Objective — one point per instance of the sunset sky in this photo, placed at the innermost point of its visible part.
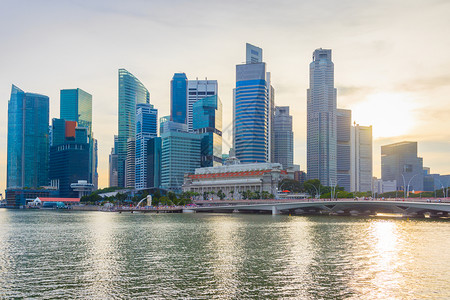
(392, 60)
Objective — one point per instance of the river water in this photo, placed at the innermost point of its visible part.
(100, 255)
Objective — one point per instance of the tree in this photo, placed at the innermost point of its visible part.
(221, 194)
(290, 185)
(313, 186)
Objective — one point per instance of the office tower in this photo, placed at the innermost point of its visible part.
(321, 119)
(69, 156)
(283, 137)
(178, 98)
(146, 129)
(271, 133)
(251, 136)
(76, 105)
(113, 178)
(361, 158)
(400, 162)
(343, 133)
(207, 122)
(180, 155)
(154, 163)
(198, 89)
(130, 163)
(131, 92)
(28, 144)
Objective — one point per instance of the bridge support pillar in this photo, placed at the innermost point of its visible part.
(275, 210)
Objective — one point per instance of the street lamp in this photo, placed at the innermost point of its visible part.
(317, 192)
(406, 193)
(334, 188)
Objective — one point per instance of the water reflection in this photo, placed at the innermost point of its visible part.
(101, 256)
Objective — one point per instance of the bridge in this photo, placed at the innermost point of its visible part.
(407, 208)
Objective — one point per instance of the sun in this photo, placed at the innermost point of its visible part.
(390, 114)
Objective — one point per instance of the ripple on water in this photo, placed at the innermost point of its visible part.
(95, 255)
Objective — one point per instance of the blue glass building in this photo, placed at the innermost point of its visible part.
(131, 92)
(76, 105)
(252, 109)
(146, 129)
(178, 98)
(154, 163)
(28, 142)
(207, 121)
(69, 156)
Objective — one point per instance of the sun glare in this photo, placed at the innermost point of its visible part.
(390, 114)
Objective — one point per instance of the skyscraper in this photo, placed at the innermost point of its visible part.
(28, 140)
(178, 98)
(252, 109)
(76, 105)
(180, 155)
(69, 156)
(113, 179)
(154, 162)
(361, 158)
(131, 92)
(198, 89)
(343, 129)
(283, 137)
(130, 163)
(207, 119)
(400, 162)
(321, 119)
(146, 129)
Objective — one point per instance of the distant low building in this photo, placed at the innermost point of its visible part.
(380, 186)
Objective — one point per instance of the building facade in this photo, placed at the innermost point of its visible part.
(197, 90)
(283, 147)
(130, 164)
(400, 162)
(251, 105)
(361, 158)
(146, 129)
(343, 148)
(180, 154)
(69, 156)
(28, 140)
(178, 98)
(321, 119)
(207, 122)
(113, 165)
(131, 92)
(76, 105)
(154, 149)
(234, 180)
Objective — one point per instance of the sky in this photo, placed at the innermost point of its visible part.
(392, 60)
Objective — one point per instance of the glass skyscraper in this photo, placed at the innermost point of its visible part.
(131, 92)
(283, 137)
(28, 140)
(69, 156)
(178, 98)
(207, 121)
(76, 105)
(343, 150)
(146, 128)
(252, 109)
(180, 155)
(321, 119)
(198, 89)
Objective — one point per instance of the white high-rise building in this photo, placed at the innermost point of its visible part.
(321, 120)
(198, 89)
(361, 158)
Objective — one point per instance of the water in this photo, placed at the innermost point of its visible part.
(98, 255)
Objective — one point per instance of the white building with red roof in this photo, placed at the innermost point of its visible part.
(235, 179)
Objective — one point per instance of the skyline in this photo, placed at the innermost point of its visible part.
(374, 62)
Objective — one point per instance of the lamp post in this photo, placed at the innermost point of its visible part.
(407, 187)
(333, 191)
(317, 192)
